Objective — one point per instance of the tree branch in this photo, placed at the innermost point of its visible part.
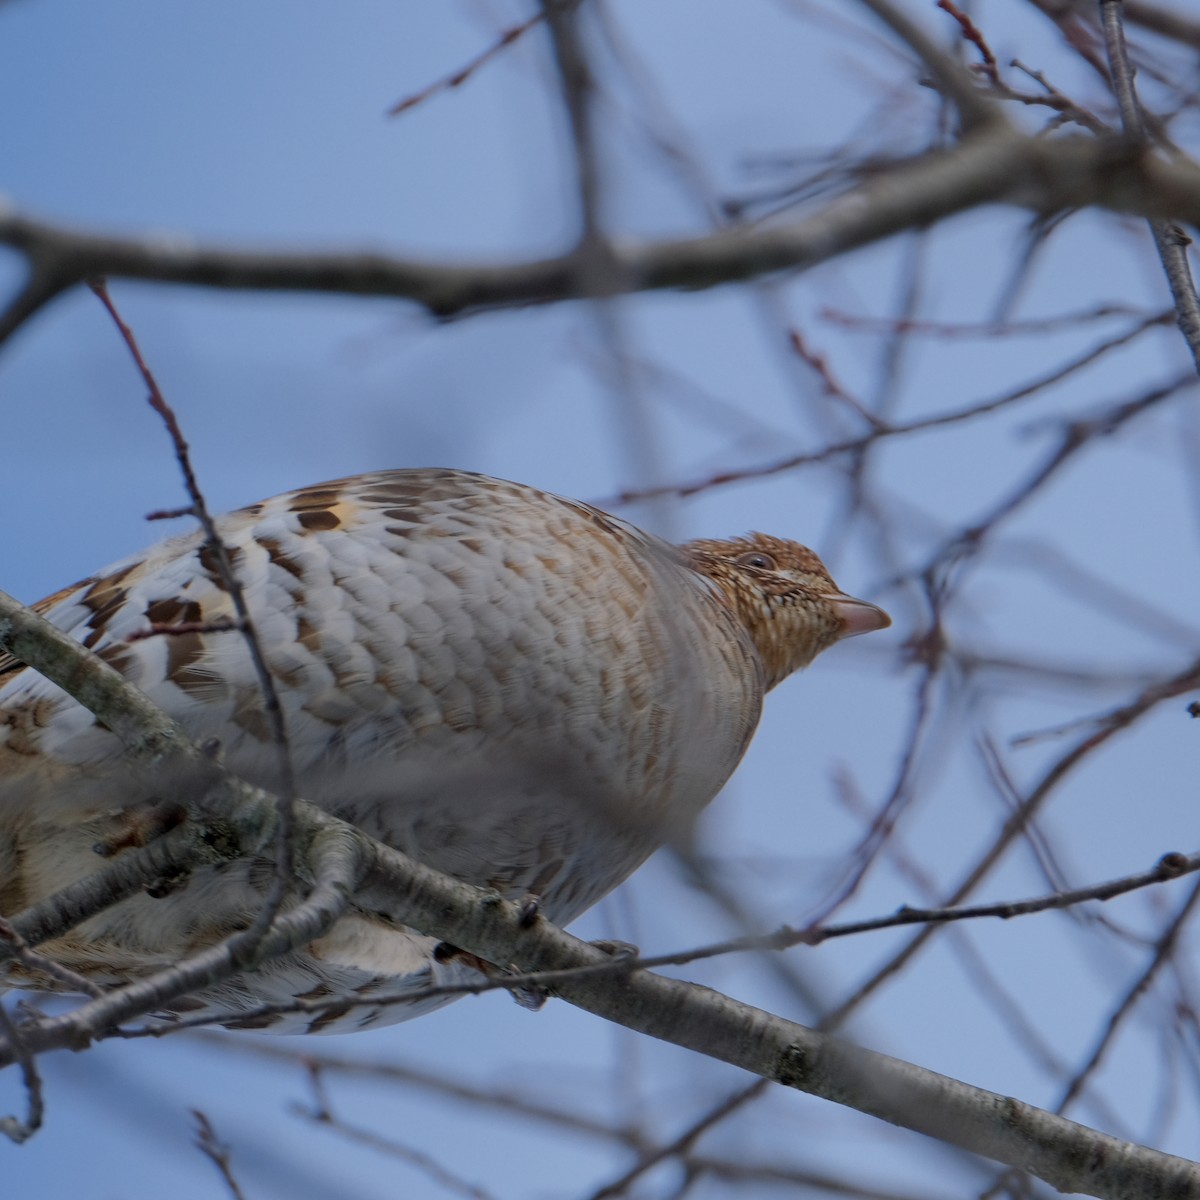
(334, 858)
(1170, 241)
(1001, 166)
(975, 110)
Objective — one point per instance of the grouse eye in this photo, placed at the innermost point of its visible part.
(756, 558)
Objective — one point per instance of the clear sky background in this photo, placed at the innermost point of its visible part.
(264, 125)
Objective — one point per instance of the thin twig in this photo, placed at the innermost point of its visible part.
(1075, 436)
(457, 78)
(1169, 238)
(681, 1145)
(336, 858)
(1113, 723)
(972, 33)
(284, 877)
(1171, 866)
(29, 958)
(217, 1152)
(1164, 947)
(820, 365)
(870, 845)
(502, 1101)
(1057, 100)
(322, 1114)
(1036, 327)
(21, 1129)
(509, 1103)
(975, 110)
(918, 425)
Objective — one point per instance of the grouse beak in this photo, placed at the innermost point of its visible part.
(858, 616)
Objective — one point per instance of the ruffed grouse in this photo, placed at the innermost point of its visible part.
(516, 688)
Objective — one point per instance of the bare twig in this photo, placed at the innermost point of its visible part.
(503, 1101)
(509, 1103)
(1163, 949)
(681, 1145)
(459, 77)
(1076, 435)
(820, 365)
(1114, 722)
(1165, 21)
(31, 960)
(919, 425)
(335, 854)
(972, 33)
(322, 1114)
(1051, 97)
(1171, 866)
(1037, 327)
(864, 855)
(21, 1129)
(284, 850)
(975, 111)
(217, 1152)
(1170, 240)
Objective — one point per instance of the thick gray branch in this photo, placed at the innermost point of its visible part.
(1070, 1156)
(997, 166)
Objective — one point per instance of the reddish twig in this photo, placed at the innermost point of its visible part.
(972, 34)
(284, 870)
(459, 77)
(217, 1152)
(820, 364)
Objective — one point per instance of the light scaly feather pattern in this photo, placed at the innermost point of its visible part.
(515, 688)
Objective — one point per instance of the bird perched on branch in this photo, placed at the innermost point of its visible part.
(515, 688)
